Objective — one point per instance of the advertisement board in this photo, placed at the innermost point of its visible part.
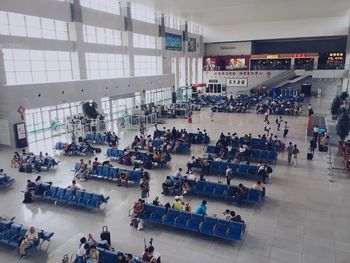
(173, 42)
(191, 45)
(241, 82)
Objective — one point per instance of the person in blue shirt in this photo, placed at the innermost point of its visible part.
(202, 208)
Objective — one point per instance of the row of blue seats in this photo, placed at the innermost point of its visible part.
(195, 222)
(254, 155)
(12, 234)
(6, 181)
(222, 191)
(198, 138)
(255, 143)
(195, 138)
(140, 156)
(71, 197)
(109, 256)
(96, 138)
(45, 166)
(184, 147)
(112, 173)
(78, 149)
(219, 167)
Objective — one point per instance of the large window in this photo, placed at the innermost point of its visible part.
(143, 12)
(144, 41)
(109, 6)
(174, 22)
(161, 96)
(195, 28)
(147, 65)
(28, 66)
(31, 26)
(99, 35)
(101, 66)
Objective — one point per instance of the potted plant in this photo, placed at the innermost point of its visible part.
(90, 109)
(335, 108)
(343, 126)
(344, 95)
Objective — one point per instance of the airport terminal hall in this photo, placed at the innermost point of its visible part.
(163, 131)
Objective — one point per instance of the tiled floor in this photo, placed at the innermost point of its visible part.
(305, 218)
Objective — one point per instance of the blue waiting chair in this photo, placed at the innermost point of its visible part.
(169, 218)
(194, 222)
(181, 220)
(158, 214)
(207, 227)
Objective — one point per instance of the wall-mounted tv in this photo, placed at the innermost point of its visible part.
(173, 42)
(191, 45)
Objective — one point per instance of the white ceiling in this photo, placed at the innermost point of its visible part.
(231, 12)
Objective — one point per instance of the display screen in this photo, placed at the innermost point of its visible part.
(191, 45)
(209, 63)
(173, 42)
(236, 63)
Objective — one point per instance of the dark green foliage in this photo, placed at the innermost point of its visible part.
(344, 95)
(343, 126)
(335, 108)
(90, 109)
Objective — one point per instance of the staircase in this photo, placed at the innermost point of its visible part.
(284, 76)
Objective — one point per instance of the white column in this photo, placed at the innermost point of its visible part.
(346, 80)
(2, 68)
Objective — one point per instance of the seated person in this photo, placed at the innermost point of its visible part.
(259, 186)
(137, 209)
(74, 186)
(168, 185)
(15, 160)
(29, 238)
(178, 203)
(240, 194)
(149, 255)
(98, 243)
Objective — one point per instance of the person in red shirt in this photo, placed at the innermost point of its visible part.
(96, 162)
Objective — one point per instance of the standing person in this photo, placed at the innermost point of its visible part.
(144, 189)
(266, 115)
(311, 111)
(315, 132)
(313, 145)
(290, 152)
(286, 129)
(142, 129)
(295, 153)
(229, 175)
(211, 114)
(279, 122)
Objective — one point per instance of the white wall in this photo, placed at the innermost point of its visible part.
(315, 27)
(253, 80)
(228, 49)
(14, 96)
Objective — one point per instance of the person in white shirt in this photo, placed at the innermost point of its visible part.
(178, 173)
(229, 175)
(316, 131)
(29, 238)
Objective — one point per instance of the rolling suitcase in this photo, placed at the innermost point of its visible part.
(29, 168)
(310, 156)
(106, 235)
